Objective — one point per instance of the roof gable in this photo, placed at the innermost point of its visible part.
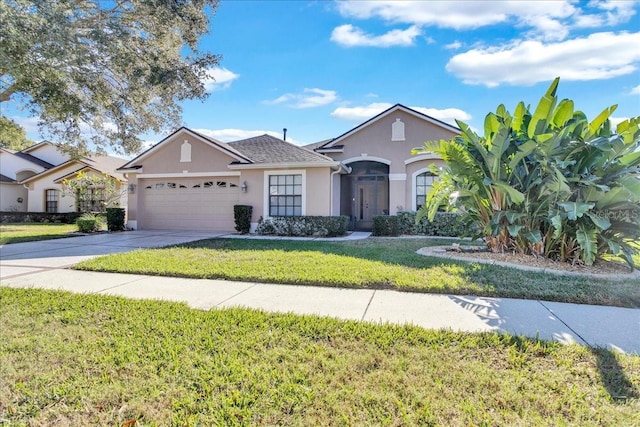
(398, 107)
(213, 143)
(101, 164)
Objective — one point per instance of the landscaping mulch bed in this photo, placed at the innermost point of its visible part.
(599, 267)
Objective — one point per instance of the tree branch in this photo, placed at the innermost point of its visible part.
(6, 94)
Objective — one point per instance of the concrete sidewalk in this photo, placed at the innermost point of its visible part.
(42, 265)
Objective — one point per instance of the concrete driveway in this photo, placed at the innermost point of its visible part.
(30, 257)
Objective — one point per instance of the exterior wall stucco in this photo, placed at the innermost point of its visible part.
(375, 140)
(50, 153)
(204, 157)
(37, 191)
(9, 195)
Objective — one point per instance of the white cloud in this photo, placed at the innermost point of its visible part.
(365, 112)
(360, 113)
(219, 78)
(453, 46)
(228, 135)
(542, 20)
(462, 15)
(612, 13)
(309, 98)
(350, 36)
(598, 56)
(635, 90)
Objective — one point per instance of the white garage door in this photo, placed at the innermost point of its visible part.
(189, 204)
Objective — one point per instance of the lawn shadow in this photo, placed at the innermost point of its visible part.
(613, 376)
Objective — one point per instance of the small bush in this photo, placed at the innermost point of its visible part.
(115, 219)
(319, 226)
(89, 223)
(385, 225)
(242, 216)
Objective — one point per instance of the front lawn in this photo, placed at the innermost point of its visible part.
(69, 359)
(371, 263)
(27, 232)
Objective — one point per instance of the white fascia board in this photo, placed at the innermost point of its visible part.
(284, 165)
(427, 156)
(187, 175)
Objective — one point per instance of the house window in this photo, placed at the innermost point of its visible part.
(285, 195)
(51, 199)
(424, 181)
(91, 200)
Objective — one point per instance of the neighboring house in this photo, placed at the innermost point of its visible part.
(189, 181)
(31, 180)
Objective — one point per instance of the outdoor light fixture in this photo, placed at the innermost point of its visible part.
(244, 187)
(132, 188)
(20, 200)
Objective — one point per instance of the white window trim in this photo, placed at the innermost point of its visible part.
(414, 189)
(266, 195)
(58, 196)
(367, 159)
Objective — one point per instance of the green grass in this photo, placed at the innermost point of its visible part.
(371, 263)
(28, 232)
(70, 359)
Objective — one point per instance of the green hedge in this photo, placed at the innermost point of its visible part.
(242, 216)
(404, 222)
(319, 226)
(385, 225)
(115, 219)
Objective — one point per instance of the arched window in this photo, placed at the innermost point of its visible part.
(424, 181)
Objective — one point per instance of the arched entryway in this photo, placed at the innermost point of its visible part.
(365, 193)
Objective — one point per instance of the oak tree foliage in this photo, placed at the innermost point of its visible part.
(12, 135)
(103, 71)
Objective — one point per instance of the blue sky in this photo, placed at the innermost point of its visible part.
(320, 68)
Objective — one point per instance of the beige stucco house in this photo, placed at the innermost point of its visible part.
(31, 180)
(190, 181)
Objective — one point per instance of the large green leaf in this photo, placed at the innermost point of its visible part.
(533, 236)
(600, 220)
(556, 221)
(563, 113)
(587, 238)
(575, 210)
(514, 229)
(543, 112)
(596, 123)
(516, 196)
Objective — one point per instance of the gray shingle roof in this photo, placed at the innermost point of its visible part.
(4, 178)
(269, 149)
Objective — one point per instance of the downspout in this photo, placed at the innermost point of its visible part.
(341, 167)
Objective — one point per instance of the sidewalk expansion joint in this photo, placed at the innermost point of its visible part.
(235, 295)
(367, 307)
(119, 285)
(587, 343)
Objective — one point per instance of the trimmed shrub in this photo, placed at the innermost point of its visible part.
(242, 217)
(318, 226)
(115, 219)
(385, 225)
(89, 223)
(449, 224)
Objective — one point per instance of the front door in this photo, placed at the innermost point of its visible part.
(366, 203)
(364, 193)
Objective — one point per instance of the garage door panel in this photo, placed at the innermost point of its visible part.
(188, 204)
